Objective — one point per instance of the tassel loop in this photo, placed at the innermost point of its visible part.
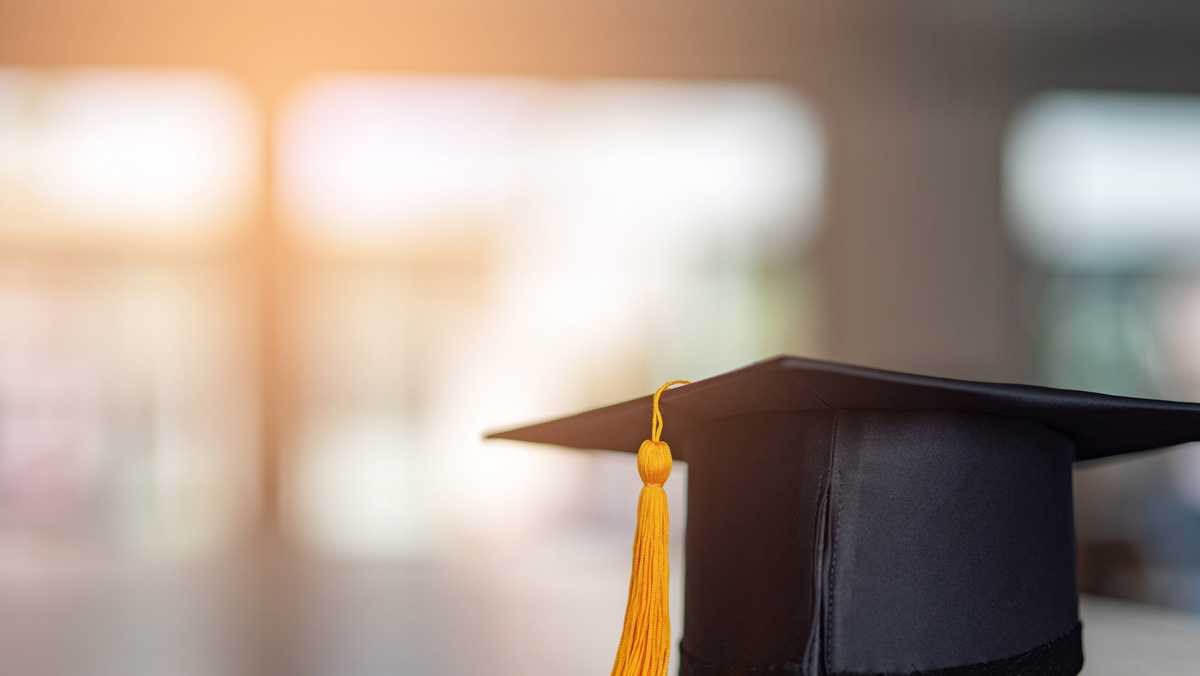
(656, 419)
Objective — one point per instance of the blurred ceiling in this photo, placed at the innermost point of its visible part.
(277, 41)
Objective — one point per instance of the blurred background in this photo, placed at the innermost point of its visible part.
(267, 272)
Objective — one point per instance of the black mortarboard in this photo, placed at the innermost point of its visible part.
(846, 520)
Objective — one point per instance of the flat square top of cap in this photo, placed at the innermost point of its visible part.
(1101, 425)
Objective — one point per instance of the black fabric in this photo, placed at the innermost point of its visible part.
(1098, 424)
(952, 540)
(750, 537)
(945, 539)
(1062, 656)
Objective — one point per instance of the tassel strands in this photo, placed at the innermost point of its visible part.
(645, 647)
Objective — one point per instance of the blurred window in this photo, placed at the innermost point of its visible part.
(126, 397)
(104, 152)
(386, 157)
(497, 249)
(1101, 188)
(1107, 178)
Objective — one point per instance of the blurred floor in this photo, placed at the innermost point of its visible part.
(1123, 638)
(553, 610)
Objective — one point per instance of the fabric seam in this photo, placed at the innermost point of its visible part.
(835, 520)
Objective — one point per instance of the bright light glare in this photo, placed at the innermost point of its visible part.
(361, 155)
(383, 156)
(741, 163)
(1105, 177)
(127, 150)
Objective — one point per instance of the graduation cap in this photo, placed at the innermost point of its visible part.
(845, 520)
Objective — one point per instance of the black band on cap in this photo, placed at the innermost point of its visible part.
(1061, 657)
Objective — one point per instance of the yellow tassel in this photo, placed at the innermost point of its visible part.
(645, 645)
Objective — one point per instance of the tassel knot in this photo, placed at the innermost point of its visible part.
(654, 462)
